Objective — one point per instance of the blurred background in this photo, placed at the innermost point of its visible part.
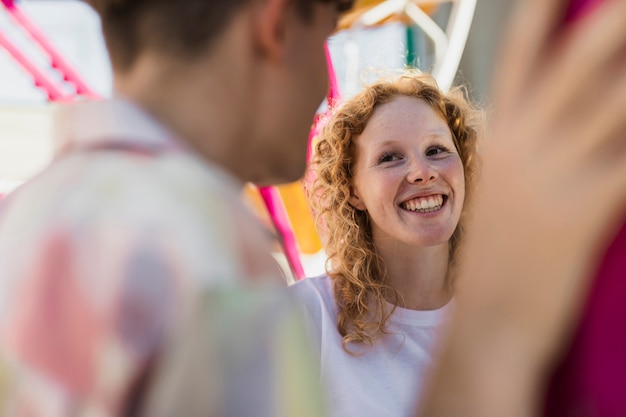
(376, 36)
(26, 144)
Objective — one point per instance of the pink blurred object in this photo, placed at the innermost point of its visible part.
(41, 79)
(579, 8)
(280, 219)
(271, 197)
(333, 93)
(332, 99)
(590, 380)
(52, 88)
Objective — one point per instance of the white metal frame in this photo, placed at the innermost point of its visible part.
(449, 42)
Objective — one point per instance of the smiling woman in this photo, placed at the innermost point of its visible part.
(394, 169)
(408, 176)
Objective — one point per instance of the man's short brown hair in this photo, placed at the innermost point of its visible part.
(185, 27)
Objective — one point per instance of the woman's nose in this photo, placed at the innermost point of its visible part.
(421, 172)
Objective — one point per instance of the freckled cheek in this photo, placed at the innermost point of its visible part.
(456, 177)
(379, 188)
(452, 170)
(386, 183)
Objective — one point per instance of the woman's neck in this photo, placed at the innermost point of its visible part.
(419, 275)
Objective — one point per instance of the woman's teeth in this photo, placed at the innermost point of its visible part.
(424, 204)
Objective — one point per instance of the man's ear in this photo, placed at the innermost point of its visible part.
(271, 19)
(355, 200)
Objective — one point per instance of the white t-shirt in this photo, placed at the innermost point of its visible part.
(385, 379)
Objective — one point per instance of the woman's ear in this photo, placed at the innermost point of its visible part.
(355, 200)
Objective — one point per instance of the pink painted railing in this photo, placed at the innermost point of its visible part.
(57, 61)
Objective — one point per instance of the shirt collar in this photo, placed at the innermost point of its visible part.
(93, 123)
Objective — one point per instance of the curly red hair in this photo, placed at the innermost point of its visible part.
(356, 270)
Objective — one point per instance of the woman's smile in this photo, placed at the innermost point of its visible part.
(427, 204)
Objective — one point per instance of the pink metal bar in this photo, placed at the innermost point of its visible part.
(279, 217)
(271, 197)
(53, 90)
(56, 59)
(333, 94)
(333, 99)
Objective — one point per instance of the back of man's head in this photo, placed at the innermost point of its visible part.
(181, 27)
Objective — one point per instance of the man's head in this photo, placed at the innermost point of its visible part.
(184, 27)
(240, 80)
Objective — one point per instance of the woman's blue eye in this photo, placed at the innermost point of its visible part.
(435, 150)
(388, 157)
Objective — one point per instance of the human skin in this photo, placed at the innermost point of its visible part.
(248, 102)
(552, 193)
(406, 152)
(406, 156)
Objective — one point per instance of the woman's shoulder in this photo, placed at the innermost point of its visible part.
(320, 286)
(314, 294)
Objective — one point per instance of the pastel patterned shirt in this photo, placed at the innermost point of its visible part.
(133, 281)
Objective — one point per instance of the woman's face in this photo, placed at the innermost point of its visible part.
(408, 175)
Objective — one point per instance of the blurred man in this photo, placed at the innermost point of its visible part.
(132, 280)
